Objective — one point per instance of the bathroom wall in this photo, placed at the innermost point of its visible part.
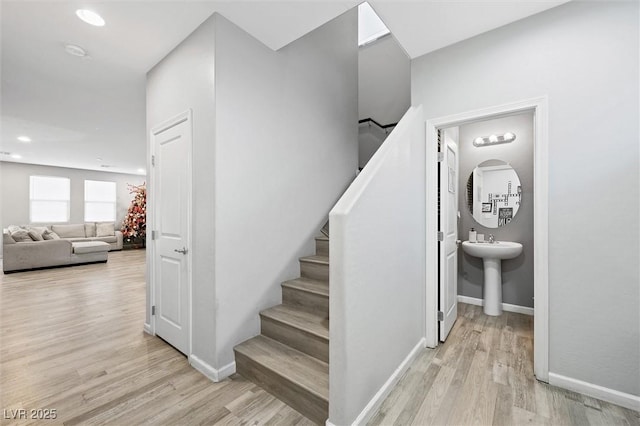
(517, 274)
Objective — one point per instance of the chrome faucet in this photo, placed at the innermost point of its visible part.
(492, 239)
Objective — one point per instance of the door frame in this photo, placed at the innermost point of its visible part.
(540, 109)
(151, 216)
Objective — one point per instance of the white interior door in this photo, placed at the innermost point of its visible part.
(448, 252)
(172, 153)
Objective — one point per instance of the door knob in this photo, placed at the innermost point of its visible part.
(458, 242)
(183, 250)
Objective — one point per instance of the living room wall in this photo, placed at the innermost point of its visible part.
(14, 187)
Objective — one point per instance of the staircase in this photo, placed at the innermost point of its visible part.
(290, 358)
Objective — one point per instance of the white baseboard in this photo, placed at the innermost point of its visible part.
(372, 407)
(622, 399)
(211, 373)
(147, 329)
(505, 306)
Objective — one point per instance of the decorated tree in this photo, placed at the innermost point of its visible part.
(135, 222)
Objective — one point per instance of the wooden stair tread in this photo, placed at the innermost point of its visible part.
(322, 238)
(293, 365)
(311, 323)
(320, 288)
(322, 260)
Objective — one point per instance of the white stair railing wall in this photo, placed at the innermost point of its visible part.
(377, 257)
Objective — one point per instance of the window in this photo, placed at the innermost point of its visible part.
(99, 201)
(49, 199)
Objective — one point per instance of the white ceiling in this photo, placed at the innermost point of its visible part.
(78, 110)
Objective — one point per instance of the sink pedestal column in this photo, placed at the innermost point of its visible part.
(492, 288)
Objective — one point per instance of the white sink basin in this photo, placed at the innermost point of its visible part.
(497, 250)
(492, 255)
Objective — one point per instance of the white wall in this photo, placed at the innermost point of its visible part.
(14, 184)
(285, 151)
(184, 80)
(384, 91)
(377, 273)
(517, 274)
(584, 56)
(384, 81)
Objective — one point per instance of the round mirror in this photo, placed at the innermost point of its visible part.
(493, 193)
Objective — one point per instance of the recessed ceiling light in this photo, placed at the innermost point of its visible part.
(90, 17)
(16, 156)
(74, 50)
(25, 139)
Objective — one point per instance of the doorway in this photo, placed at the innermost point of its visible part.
(538, 107)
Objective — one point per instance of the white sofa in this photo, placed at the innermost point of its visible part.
(31, 247)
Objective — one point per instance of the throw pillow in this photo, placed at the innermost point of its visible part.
(90, 229)
(105, 229)
(35, 235)
(37, 229)
(50, 235)
(7, 239)
(13, 228)
(21, 235)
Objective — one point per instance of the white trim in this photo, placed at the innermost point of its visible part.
(374, 404)
(622, 399)
(147, 329)
(539, 106)
(211, 373)
(431, 249)
(505, 306)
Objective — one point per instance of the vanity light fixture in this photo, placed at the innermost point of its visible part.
(25, 139)
(494, 139)
(90, 17)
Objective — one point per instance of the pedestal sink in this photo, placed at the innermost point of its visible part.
(492, 255)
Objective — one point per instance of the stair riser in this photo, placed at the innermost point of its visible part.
(310, 344)
(322, 247)
(310, 302)
(314, 271)
(310, 405)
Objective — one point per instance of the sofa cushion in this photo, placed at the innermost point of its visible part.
(7, 239)
(90, 247)
(105, 229)
(50, 235)
(35, 235)
(21, 235)
(90, 229)
(111, 239)
(69, 231)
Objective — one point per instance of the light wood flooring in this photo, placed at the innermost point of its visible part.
(483, 375)
(71, 340)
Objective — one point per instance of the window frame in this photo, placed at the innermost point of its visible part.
(114, 202)
(41, 200)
